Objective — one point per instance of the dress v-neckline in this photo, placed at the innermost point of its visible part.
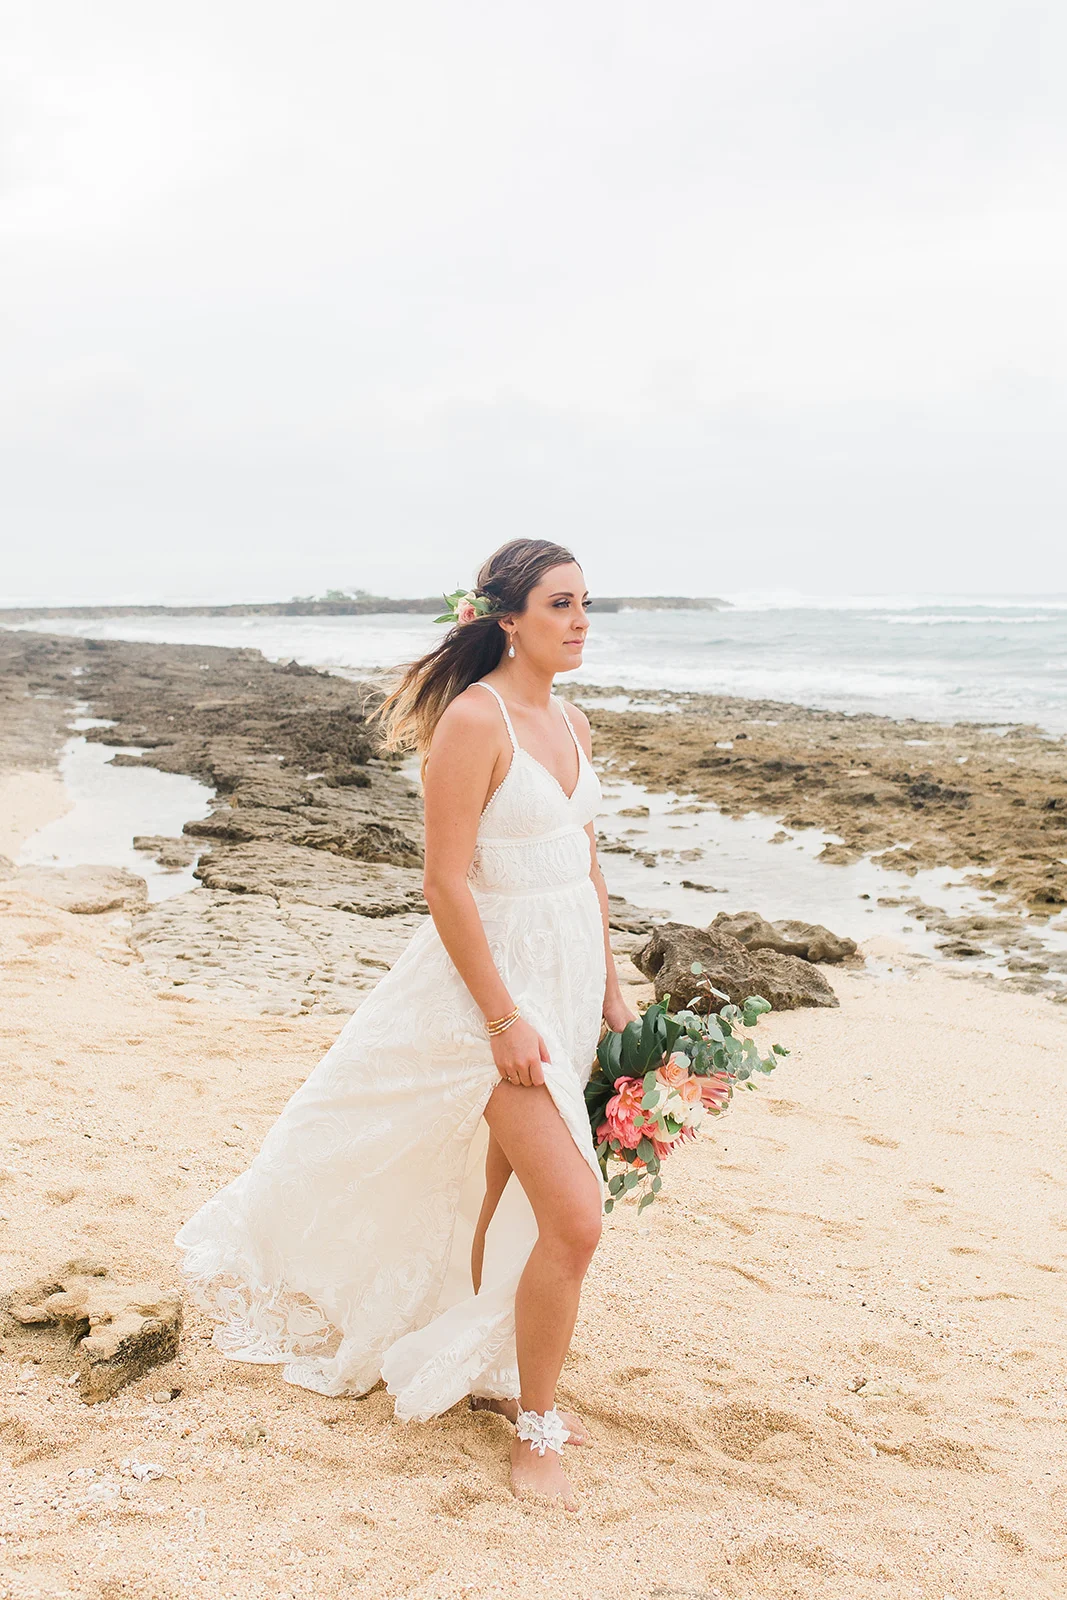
(568, 797)
(520, 750)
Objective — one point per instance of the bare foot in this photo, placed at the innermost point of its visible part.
(535, 1476)
(579, 1433)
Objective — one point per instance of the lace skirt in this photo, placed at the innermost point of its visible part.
(343, 1252)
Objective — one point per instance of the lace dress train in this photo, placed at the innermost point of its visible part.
(343, 1252)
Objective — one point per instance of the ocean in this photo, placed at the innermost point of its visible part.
(938, 658)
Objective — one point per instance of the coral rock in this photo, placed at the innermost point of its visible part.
(808, 940)
(786, 981)
(120, 1330)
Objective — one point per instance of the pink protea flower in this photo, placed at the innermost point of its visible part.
(715, 1090)
(626, 1101)
(623, 1134)
(624, 1120)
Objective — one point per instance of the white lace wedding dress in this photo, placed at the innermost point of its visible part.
(344, 1250)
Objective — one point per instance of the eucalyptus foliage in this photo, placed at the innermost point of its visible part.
(719, 1043)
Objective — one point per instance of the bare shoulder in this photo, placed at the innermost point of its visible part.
(466, 720)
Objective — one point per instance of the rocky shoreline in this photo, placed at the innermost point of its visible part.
(987, 800)
(310, 863)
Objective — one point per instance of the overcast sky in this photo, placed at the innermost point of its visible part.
(758, 294)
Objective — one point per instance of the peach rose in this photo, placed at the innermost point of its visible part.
(673, 1072)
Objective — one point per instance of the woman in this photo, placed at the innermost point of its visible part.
(426, 1205)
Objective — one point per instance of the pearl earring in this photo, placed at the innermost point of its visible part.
(511, 649)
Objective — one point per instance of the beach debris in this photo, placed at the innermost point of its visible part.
(141, 1471)
(103, 1492)
(808, 940)
(667, 957)
(87, 890)
(119, 1331)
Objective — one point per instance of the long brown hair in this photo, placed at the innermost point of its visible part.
(469, 650)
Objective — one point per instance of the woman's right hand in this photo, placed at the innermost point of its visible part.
(519, 1052)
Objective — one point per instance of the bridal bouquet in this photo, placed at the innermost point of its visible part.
(656, 1081)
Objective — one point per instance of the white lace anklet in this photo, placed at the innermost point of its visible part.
(543, 1430)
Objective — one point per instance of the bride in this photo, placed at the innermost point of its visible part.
(425, 1207)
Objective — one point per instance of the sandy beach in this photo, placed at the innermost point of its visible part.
(828, 1362)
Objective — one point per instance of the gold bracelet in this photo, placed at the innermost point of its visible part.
(502, 1022)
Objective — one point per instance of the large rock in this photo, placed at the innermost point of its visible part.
(119, 1330)
(808, 940)
(786, 981)
(85, 889)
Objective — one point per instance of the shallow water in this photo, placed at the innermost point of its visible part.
(112, 804)
(736, 858)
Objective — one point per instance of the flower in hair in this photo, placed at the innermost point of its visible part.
(464, 606)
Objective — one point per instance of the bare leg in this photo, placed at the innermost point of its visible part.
(497, 1173)
(565, 1198)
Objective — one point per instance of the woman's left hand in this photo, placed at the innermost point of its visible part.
(617, 1013)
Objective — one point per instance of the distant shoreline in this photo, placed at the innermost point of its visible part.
(357, 606)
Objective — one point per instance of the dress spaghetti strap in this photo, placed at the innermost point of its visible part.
(570, 724)
(504, 709)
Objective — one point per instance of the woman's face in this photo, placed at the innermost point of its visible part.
(552, 629)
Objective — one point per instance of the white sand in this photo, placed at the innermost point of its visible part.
(888, 1206)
